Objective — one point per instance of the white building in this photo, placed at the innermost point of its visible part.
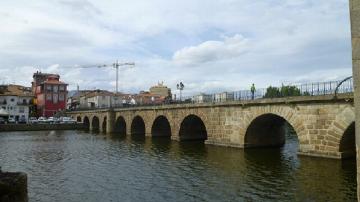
(223, 97)
(16, 100)
(202, 98)
(101, 99)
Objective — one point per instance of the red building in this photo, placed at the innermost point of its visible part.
(50, 93)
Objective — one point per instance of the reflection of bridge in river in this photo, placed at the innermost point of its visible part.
(324, 125)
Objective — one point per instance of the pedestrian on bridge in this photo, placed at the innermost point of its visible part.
(252, 89)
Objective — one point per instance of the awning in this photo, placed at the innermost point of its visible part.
(3, 112)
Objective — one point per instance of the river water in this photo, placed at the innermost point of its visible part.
(80, 166)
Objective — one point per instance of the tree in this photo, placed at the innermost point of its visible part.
(287, 91)
(284, 91)
(272, 92)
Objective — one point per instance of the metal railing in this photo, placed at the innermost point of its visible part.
(308, 89)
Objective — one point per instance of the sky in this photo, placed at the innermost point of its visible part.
(209, 45)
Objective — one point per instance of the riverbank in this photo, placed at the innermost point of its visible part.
(39, 127)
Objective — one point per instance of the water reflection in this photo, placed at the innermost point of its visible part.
(78, 166)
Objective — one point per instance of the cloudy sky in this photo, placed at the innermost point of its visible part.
(209, 45)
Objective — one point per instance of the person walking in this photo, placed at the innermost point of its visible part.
(252, 89)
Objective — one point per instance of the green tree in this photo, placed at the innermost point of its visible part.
(283, 91)
(272, 92)
(287, 91)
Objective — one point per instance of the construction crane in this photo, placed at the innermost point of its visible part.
(115, 65)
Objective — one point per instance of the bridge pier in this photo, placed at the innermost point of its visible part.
(110, 124)
(355, 36)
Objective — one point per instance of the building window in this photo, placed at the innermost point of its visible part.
(62, 88)
(55, 98)
(48, 97)
(48, 88)
(24, 101)
(61, 97)
(21, 110)
(12, 100)
(55, 88)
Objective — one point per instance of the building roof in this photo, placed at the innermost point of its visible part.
(15, 90)
(78, 93)
(54, 82)
(45, 74)
(97, 93)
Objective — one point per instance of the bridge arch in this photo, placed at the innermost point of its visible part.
(347, 146)
(103, 125)
(267, 130)
(95, 124)
(78, 119)
(86, 123)
(340, 137)
(138, 126)
(192, 128)
(161, 127)
(120, 126)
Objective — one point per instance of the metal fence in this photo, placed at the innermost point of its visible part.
(308, 89)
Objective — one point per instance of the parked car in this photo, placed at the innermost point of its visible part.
(42, 119)
(2, 120)
(11, 120)
(67, 120)
(22, 119)
(56, 120)
(33, 120)
(50, 120)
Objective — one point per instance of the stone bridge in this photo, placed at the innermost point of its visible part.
(324, 126)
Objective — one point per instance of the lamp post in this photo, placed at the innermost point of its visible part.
(180, 86)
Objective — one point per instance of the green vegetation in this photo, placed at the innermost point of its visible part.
(283, 91)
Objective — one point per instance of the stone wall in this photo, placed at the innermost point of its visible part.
(355, 36)
(320, 124)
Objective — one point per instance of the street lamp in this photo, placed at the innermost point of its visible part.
(180, 86)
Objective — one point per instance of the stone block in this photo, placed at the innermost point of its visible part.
(356, 74)
(355, 22)
(313, 132)
(333, 144)
(339, 125)
(355, 4)
(356, 48)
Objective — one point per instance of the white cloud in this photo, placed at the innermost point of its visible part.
(209, 51)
